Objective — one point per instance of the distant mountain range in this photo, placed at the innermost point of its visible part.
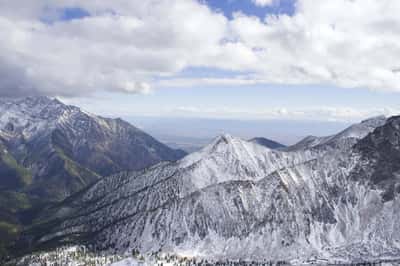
(49, 150)
(334, 198)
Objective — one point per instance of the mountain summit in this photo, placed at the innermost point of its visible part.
(49, 151)
(236, 199)
(66, 148)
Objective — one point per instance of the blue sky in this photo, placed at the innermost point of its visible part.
(228, 7)
(73, 13)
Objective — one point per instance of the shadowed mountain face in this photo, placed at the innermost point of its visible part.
(380, 152)
(49, 150)
(66, 149)
(236, 199)
(267, 143)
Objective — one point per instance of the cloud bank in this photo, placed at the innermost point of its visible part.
(318, 113)
(135, 46)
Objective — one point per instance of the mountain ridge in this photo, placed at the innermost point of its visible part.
(35, 126)
(50, 150)
(233, 197)
(351, 134)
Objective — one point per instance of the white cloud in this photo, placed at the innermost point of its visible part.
(127, 46)
(340, 42)
(122, 50)
(201, 82)
(101, 106)
(263, 2)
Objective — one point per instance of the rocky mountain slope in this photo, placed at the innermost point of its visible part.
(236, 199)
(66, 148)
(49, 150)
(342, 140)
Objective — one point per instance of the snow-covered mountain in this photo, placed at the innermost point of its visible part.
(341, 140)
(236, 199)
(66, 148)
(49, 150)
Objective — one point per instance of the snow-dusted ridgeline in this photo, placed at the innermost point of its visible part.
(236, 199)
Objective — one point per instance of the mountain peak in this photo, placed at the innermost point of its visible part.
(235, 191)
(360, 130)
(33, 105)
(224, 145)
(42, 125)
(37, 100)
(225, 142)
(223, 139)
(381, 119)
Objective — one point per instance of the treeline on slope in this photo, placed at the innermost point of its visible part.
(81, 255)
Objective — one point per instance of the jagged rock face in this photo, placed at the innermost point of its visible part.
(237, 199)
(67, 149)
(380, 155)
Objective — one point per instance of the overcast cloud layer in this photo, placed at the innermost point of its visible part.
(134, 46)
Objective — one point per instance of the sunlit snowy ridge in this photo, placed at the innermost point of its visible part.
(322, 199)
